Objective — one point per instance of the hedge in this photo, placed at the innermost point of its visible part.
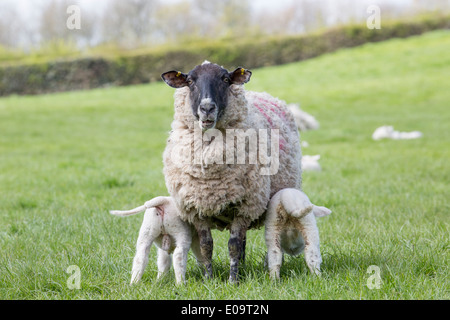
(88, 73)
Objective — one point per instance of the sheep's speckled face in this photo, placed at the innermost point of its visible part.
(208, 84)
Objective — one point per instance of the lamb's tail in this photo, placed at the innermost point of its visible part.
(155, 202)
(321, 211)
(295, 203)
(298, 205)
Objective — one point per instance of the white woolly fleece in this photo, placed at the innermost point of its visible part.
(228, 190)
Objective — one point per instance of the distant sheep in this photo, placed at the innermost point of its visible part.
(303, 120)
(290, 227)
(215, 193)
(162, 226)
(388, 132)
(311, 163)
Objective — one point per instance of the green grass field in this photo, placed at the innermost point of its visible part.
(66, 159)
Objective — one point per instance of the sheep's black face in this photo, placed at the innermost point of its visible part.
(208, 84)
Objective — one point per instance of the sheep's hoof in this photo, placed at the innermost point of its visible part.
(316, 272)
(275, 275)
(180, 283)
(234, 277)
(207, 276)
(275, 279)
(233, 280)
(207, 273)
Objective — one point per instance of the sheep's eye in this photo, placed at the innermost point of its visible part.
(226, 80)
(189, 81)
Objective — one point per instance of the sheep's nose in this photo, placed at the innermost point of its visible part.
(208, 108)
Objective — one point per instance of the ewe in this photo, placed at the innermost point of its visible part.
(207, 173)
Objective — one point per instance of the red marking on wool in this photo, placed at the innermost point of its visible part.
(277, 111)
(282, 143)
(257, 105)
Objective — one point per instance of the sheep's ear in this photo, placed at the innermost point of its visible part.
(175, 79)
(240, 76)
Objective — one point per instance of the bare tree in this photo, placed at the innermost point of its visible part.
(129, 23)
(297, 17)
(176, 22)
(132, 23)
(236, 16)
(431, 5)
(206, 14)
(10, 26)
(53, 23)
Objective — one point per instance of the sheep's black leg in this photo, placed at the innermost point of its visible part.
(206, 248)
(244, 242)
(238, 232)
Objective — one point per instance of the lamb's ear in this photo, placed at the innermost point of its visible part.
(175, 79)
(240, 76)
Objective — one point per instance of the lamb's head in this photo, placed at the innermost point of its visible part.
(209, 84)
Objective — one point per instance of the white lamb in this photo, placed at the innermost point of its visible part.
(388, 132)
(290, 227)
(170, 234)
(311, 163)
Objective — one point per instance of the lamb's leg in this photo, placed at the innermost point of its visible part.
(143, 245)
(164, 261)
(274, 253)
(238, 232)
(206, 247)
(310, 234)
(180, 255)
